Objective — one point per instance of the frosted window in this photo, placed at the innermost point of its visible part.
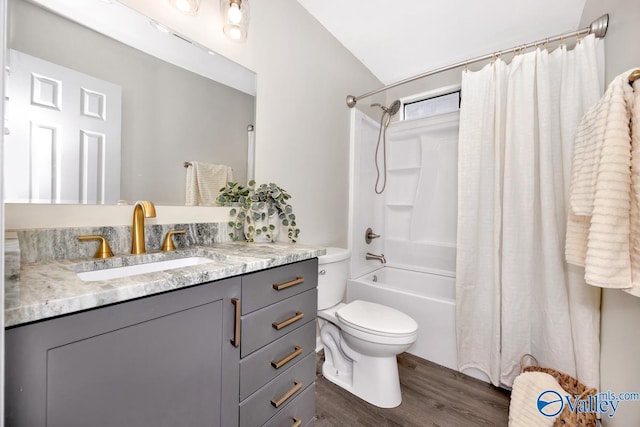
(432, 106)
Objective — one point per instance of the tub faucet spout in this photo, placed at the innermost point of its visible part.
(380, 258)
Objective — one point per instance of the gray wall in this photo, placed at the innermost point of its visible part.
(620, 322)
(169, 115)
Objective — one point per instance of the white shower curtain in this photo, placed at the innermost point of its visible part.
(515, 294)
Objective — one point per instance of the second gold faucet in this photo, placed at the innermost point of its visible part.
(143, 209)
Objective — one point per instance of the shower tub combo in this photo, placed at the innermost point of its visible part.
(415, 220)
(428, 298)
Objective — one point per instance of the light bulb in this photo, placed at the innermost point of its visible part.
(186, 6)
(235, 33)
(183, 6)
(234, 14)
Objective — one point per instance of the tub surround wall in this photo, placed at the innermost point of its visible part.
(366, 208)
(416, 214)
(421, 196)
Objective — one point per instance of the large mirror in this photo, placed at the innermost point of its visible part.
(179, 103)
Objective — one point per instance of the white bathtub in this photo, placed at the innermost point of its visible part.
(428, 298)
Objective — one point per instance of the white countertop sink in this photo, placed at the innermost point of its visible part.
(132, 270)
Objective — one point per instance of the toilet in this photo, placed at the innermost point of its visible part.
(361, 339)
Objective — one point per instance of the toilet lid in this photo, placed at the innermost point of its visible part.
(376, 319)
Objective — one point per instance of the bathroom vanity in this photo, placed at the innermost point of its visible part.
(225, 343)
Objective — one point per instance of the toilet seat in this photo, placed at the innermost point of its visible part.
(367, 318)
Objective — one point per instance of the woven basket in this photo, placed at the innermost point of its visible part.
(571, 386)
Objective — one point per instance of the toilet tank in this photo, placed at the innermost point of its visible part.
(333, 269)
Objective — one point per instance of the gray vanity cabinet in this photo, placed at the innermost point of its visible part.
(278, 360)
(238, 351)
(164, 360)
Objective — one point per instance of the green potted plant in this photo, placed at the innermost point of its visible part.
(259, 213)
(231, 193)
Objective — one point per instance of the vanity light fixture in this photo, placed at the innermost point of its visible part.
(186, 6)
(235, 14)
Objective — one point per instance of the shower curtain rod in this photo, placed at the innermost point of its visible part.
(597, 27)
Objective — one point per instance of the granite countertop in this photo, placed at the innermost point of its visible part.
(53, 288)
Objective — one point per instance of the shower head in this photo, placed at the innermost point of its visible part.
(391, 109)
(394, 107)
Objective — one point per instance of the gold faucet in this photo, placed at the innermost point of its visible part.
(168, 244)
(143, 209)
(104, 251)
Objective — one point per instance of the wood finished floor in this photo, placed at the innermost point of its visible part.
(431, 396)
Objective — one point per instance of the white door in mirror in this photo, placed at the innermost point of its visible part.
(65, 126)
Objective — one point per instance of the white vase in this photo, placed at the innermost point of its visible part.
(259, 224)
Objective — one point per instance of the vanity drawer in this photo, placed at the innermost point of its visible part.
(270, 323)
(259, 289)
(301, 411)
(261, 406)
(260, 367)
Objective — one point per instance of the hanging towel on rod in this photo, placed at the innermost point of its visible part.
(605, 188)
(204, 181)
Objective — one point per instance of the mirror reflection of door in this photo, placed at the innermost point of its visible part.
(65, 126)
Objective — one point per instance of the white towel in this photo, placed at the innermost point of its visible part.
(598, 229)
(635, 193)
(523, 408)
(204, 181)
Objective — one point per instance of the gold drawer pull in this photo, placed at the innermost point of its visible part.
(297, 351)
(281, 286)
(235, 341)
(293, 390)
(297, 422)
(277, 326)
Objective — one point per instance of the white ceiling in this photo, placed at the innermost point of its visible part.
(399, 39)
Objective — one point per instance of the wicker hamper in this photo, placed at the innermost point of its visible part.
(570, 385)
